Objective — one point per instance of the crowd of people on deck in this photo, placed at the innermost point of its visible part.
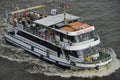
(25, 18)
(25, 21)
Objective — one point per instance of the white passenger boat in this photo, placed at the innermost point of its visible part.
(61, 38)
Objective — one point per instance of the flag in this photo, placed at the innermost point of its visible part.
(53, 11)
(66, 6)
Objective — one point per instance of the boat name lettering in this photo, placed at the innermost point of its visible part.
(85, 31)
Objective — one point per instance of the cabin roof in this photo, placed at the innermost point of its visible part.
(75, 26)
(51, 20)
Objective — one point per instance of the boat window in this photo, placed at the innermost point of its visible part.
(92, 50)
(65, 36)
(73, 53)
(61, 37)
(86, 36)
(37, 40)
(72, 38)
(82, 37)
(81, 54)
(57, 33)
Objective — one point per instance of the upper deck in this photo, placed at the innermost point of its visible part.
(64, 23)
(71, 27)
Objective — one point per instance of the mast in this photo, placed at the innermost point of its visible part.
(65, 20)
(65, 6)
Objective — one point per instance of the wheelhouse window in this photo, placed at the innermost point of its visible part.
(82, 37)
(92, 50)
(37, 40)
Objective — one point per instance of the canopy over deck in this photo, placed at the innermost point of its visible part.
(51, 20)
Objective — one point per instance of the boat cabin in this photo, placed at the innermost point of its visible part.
(67, 26)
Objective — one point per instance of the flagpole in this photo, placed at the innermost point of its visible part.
(65, 22)
(65, 6)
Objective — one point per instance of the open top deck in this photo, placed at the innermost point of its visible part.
(58, 22)
(64, 23)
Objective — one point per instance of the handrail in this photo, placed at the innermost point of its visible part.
(31, 8)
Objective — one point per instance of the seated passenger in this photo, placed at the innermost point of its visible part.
(88, 59)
